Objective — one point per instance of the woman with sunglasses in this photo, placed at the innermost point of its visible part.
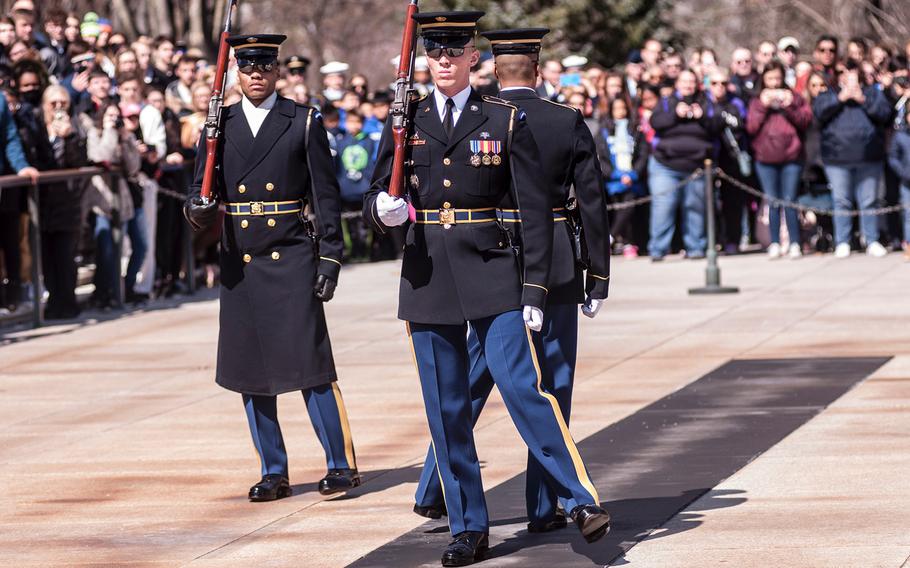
(778, 119)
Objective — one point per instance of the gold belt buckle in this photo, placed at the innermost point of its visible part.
(447, 217)
(256, 208)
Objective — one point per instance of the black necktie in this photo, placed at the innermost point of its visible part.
(448, 122)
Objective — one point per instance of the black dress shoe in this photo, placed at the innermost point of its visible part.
(558, 521)
(466, 548)
(592, 521)
(431, 511)
(270, 488)
(338, 480)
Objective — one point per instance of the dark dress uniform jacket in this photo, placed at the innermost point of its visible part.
(468, 271)
(568, 156)
(273, 335)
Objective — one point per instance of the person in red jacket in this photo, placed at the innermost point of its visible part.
(777, 121)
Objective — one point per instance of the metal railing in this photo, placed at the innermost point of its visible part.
(75, 175)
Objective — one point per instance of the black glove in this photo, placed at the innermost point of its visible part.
(200, 215)
(324, 288)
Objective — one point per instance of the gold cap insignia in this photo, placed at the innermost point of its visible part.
(253, 39)
(440, 18)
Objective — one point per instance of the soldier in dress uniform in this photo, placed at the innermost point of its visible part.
(467, 153)
(275, 272)
(570, 166)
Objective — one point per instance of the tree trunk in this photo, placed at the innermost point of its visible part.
(196, 34)
(160, 18)
(123, 18)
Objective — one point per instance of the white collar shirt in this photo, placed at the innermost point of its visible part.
(255, 115)
(461, 99)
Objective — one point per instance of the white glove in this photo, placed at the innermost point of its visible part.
(393, 211)
(591, 307)
(533, 318)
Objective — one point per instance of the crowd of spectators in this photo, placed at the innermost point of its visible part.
(826, 128)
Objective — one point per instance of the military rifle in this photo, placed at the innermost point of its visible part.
(405, 96)
(216, 103)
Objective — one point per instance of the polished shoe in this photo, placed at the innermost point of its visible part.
(338, 480)
(466, 548)
(431, 511)
(558, 521)
(270, 488)
(592, 521)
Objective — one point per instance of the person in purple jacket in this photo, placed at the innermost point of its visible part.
(777, 121)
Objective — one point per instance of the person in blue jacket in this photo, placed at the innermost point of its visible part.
(12, 205)
(355, 162)
(853, 119)
(899, 160)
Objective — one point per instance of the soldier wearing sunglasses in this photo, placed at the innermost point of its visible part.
(273, 162)
(472, 160)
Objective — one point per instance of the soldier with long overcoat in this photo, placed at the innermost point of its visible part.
(277, 269)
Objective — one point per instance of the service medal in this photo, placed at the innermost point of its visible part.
(415, 181)
(475, 161)
(487, 160)
(497, 159)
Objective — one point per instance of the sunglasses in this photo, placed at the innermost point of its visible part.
(247, 66)
(451, 52)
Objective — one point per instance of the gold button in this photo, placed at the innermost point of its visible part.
(275, 255)
(446, 205)
(269, 186)
(242, 188)
(244, 224)
(247, 258)
(272, 222)
(447, 183)
(447, 162)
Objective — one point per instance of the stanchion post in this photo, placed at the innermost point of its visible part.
(117, 236)
(712, 271)
(34, 243)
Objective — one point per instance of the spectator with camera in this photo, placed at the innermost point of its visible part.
(686, 135)
(110, 143)
(899, 160)
(778, 119)
(853, 118)
(60, 207)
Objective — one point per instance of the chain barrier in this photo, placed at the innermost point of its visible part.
(775, 201)
(697, 174)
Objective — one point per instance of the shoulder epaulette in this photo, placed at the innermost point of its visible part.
(498, 101)
(573, 109)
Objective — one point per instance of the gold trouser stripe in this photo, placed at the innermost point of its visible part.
(345, 427)
(580, 470)
(537, 286)
(598, 277)
(407, 326)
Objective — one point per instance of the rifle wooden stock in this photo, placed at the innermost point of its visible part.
(213, 119)
(401, 106)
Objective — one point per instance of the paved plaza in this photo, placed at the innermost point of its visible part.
(767, 428)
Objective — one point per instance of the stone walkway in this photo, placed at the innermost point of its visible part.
(117, 449)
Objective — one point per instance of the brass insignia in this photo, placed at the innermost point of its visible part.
(415, 181)
(475, 160)
(440, 18)
(496, 159)
(252, 40)
(475, 108)
(485, 135)
(487, 160)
